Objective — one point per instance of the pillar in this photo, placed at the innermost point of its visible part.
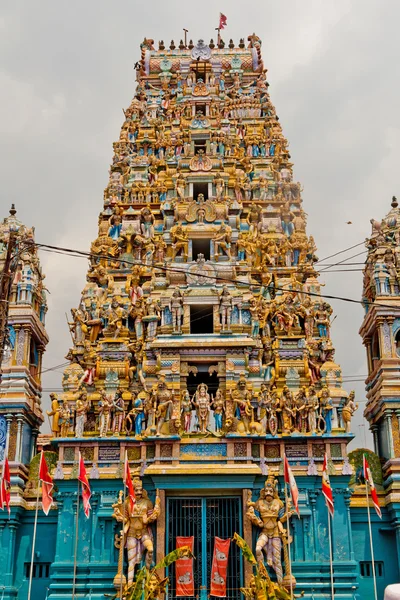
(374, 431)
(160, 553)
(18, 443)
(388, 417)
(247, 536)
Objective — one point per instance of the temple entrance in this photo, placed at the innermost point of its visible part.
(201, 246)
(203, 376)
(201, 318)
(205, 519)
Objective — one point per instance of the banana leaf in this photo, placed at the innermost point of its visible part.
(247, 553)
(137, 591)
(183, 552)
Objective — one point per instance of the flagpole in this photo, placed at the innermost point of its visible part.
(288, 537)
(76, 543)
(330, 554)
(123, 523)
(34, 541)
(371, 542)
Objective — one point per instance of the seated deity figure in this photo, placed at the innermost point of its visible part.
(273, 534)
(136, 522)
(222, 241)
(201, 402)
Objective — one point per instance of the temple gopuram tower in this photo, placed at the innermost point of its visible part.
(202, 347)
(25, 341)
(380, 332)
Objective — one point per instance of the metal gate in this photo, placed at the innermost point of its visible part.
(205, 519)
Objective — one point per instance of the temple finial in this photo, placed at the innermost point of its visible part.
(13, 211)
(394, 202)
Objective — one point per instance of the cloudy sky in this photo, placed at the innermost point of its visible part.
(66, 72)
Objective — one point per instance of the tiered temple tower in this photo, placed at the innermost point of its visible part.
(202, 349)
(381, 336)
(20, 388)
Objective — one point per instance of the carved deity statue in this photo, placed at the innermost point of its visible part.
(348, 411)
(55, 413)
(225, 308)
(222, 241)
(82, 406)
(241, 397)
(176, 308)
(180, 242)
(136, 526)
(162, 402)
(201, 402)
(105, 407)
(271, 519)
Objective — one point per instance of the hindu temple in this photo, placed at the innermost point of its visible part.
(201, 349)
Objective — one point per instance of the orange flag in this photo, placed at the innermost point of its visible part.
(128, 483)
(47, 484)
(5, 486)
(86, 491)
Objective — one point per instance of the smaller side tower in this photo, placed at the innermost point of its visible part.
(381, 336)
(21, 413)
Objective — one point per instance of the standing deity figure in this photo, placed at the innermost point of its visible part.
(326, 409)
(218, 404)
(180, 187)
(176, 308)
(162, 402)
(322, 315)
(65, 416)
(105, 406)
(180, 241)
(119, 413)
(219, 188)
(136, 524)
(222, 240)
(225, 308)
(137, 414)
(186, 410)
(288, 411)
(201, 402)
(241, 397)
(348, 411)
(82, 406)
(313, 409)
(272, 516)
(55, 413)
(115, 316)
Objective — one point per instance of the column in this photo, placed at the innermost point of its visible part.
(20, 420)
(347, 499)
(8, 419)
(374, 431)
(312, 496)
(388, 417)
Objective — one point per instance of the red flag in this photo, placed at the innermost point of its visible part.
(86, 492)
(222, 21)
(291, 482)
(368, 478)
(128, 483)
(47, 484)
(219, 568)
(184, 569)
(326, 487)
(5, 486)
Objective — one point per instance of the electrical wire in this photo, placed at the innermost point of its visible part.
(80, 253)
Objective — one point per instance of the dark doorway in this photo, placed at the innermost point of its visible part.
(203, 376)
(200, 188)
(200, 145)
(201, 318)
(201, 246)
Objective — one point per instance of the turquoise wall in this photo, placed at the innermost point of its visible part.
(97, 556)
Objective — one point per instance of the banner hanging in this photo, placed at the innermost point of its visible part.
(219, 567)
(184, 569)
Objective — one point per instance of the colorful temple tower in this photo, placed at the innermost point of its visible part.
(202, 352)
(380, 332)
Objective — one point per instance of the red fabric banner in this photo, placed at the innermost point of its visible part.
(184, 569)
(219, 567)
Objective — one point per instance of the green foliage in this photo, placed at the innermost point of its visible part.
(246, 551)
(183, 552)
(51, 459)
(356, 461)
